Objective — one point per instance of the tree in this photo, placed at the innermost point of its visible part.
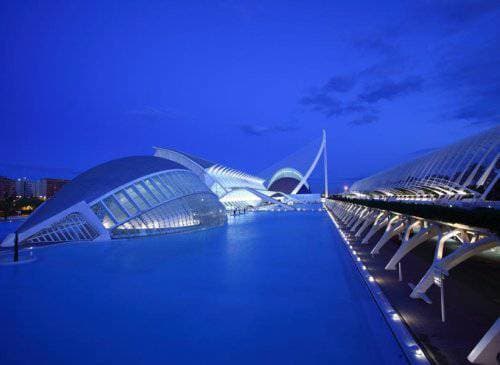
(7, 206)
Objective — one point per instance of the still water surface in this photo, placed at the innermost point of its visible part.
(270, 287)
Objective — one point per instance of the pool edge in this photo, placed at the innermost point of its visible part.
(409, 346)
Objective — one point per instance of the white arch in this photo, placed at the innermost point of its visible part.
(322, 149)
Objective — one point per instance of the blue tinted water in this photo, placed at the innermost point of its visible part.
(8, 226)
(273, 287)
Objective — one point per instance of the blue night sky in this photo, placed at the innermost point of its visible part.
(243, 83)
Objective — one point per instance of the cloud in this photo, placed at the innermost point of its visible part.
(365, 119)
(458, 13)
(459, 63)
(153, 114)
(357, 92)
(484, 111)
(378, 44)
(322, 102)
(340, 84)
(260, 130)
(331, 107)
(389, 90)
(467, 71)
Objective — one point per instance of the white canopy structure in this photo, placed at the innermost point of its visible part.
(468, 169)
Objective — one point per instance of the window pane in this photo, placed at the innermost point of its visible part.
(152, 188)
(126, 203)
(136, 198)
(164, 188)
(149, 198)
(167, 180)
(103, 215)
(115, 209)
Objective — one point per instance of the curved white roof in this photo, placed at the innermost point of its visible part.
(97, 181)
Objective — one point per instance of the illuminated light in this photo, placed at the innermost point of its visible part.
(419, 354)
(371, 279)
(358, 259)
(395, 317)
(364, 267)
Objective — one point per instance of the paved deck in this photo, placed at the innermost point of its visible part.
(472, 296)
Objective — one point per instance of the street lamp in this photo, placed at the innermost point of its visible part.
(16, 247)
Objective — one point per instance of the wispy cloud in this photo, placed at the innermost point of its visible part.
(454, 15)
(327, 100)
(389, 89)
(376, 43)
(470, 74)
(365, 119)
(460, 65)
(356, 94)
(322, 102)
(261, 130)
(465, 57)
(340, 84)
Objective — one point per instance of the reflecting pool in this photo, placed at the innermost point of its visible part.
(269, 287)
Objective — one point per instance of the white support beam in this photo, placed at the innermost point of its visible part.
(442, 265)
(409, 244)
(396, 226)
(360, 219)
(380, 223)
(368, 220)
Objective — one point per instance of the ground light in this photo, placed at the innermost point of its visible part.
(413, 351)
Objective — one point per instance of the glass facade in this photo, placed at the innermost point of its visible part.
(166, 202)
(131, 196)
(73, 227)
(185, 213)
(102, 213)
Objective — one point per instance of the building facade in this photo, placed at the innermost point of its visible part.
(128, 197)
(24, 187)
(46, 188)
(145, 195)
(7, 187)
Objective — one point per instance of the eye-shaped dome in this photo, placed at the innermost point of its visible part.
(132, 196)
(287, 179)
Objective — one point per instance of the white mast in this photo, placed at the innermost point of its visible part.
(325, 162)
